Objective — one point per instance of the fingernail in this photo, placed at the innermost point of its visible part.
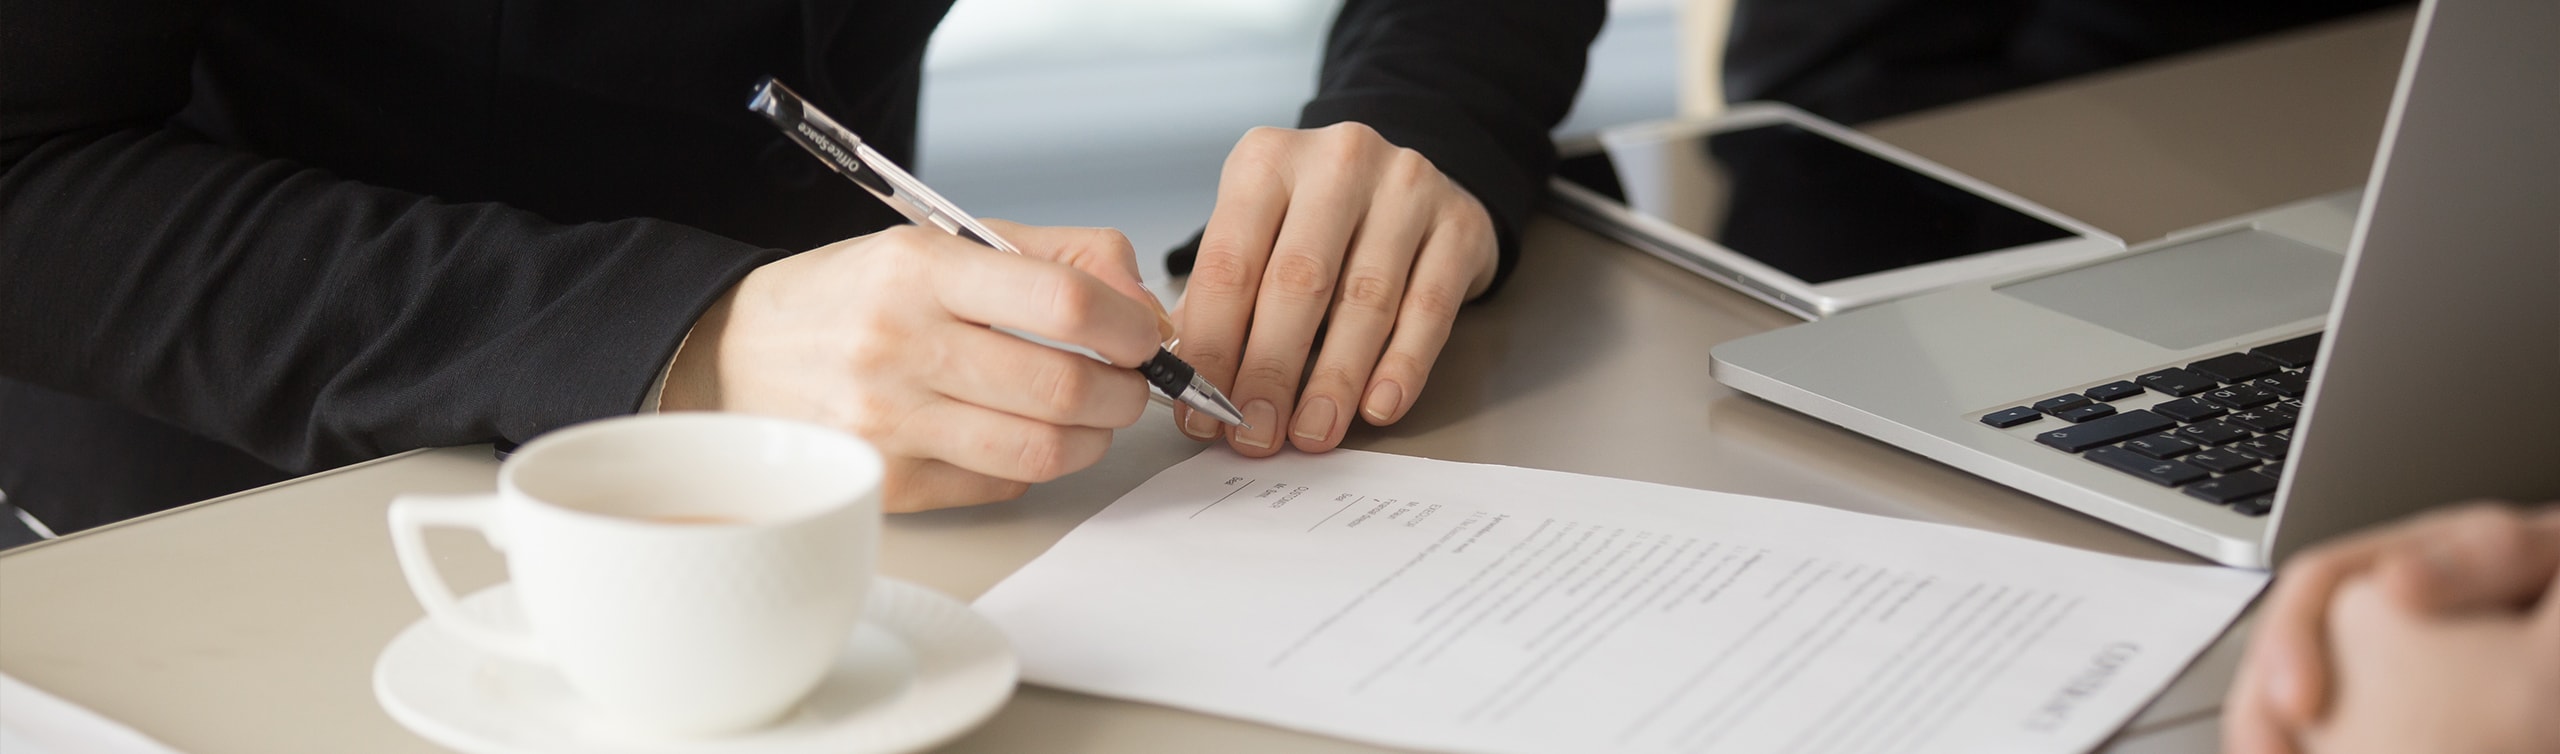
(1315, 420)
(1381, 406)
(1199, 425)
(1259, 414)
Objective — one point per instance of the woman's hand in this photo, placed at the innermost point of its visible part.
(888, 336)
(1333, 230)
(2476, 561)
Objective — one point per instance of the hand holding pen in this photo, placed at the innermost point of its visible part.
(845, 153)
(890, 336)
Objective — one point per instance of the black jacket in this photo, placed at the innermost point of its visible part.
(321, 231)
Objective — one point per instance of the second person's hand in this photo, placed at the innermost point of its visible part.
(889, 336)
(1331, 228)
(2471, 558)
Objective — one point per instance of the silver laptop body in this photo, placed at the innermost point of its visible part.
(2436, 378)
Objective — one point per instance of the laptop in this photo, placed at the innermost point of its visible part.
(2246, 390)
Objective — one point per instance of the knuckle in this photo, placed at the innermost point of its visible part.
(872, 417)
(1346, 155)
(1202, 352)
(1266, 372)
(1466, 226)
(871, 352)
(1041, 455)
(1334, 376)
(1264, 137)
(1369, 292)
(1112, 240)
(1060, 386)
(1221, 271)
(1069, 305)
(905, 242)
(1051, 452)
(1409, 171)
(1405, 367)
(1300, 275)
(2491, 529)
(1434, 304)
(1353, 131)
(1257, 154)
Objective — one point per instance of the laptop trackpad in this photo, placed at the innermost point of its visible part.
(2183, 296)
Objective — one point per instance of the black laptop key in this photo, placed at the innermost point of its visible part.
(2011, 417)
(2287, 384)
(2269, 448)
(2106, 431)
(2293, 354)
(2159, 446)
(2188, 409)
(2255, 507)
(2215, 432)
(2265, 418)
(2114, 391)
(2221, 460)
(2235, 367)
(2243, 395)
(2160, 471)
(2177, 382)
(2060, 403)
(2232, 488)
(2085, 413)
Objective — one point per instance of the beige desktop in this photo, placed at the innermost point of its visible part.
(251, 623)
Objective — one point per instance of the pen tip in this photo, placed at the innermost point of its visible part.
(1205, 398)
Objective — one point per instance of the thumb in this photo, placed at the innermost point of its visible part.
(2489, 557)
(1104, 253)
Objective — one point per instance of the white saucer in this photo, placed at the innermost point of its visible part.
(920, 670)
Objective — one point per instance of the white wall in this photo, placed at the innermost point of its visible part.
(1119, 112)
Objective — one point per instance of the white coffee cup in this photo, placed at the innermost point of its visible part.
(689, 574)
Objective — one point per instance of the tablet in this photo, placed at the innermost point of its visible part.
(1805, 214)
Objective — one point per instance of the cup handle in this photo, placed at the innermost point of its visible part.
(410, 517)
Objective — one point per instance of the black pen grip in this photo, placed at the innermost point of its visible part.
(1167, 373)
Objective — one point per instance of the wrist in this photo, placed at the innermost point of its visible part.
(692, 381)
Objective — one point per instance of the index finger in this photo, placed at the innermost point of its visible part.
(1217, 302)
(2248, 726)
(1043, 298)
(2289, 648)
(1101, 252)
(2478, 558)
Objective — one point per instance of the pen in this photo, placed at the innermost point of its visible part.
(836, 146)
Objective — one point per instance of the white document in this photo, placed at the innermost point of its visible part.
(1470, 608)
(35, 722)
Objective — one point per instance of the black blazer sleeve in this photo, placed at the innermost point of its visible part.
(308, 319)
(1474, 85)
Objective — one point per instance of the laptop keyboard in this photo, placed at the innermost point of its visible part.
(2217, 430)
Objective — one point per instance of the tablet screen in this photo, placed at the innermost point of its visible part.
(1798, 201)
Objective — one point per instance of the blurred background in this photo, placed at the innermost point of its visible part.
(1119, 113)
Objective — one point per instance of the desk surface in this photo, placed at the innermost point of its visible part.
(250, 623)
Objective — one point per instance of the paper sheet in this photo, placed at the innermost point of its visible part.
(1472, 608)
(35, 722)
